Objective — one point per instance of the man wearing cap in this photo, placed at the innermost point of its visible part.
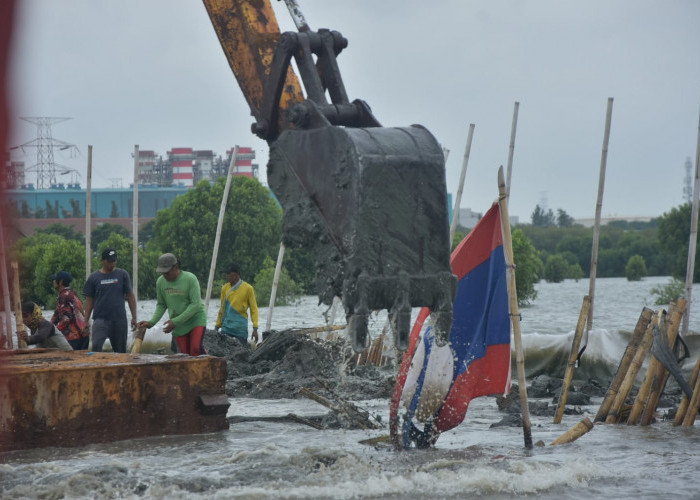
(69, 316)
(105, 291)
(237, 297)
(178, 292)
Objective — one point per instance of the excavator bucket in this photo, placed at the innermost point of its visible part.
(369, 201)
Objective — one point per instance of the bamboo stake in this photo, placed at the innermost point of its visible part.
(511, 148)
(614, 415)
(569, 373)
(17, 303)
(275, 283)
(661, 374)
(7, 307)
(514, 314)
(574, 433)
(692, 412)
(683, 406)
(645, 388)
(219, 225)
(88, 216)
(135, 227)
(690, 266)
(598, 208)
(632, 346)
(460, 188)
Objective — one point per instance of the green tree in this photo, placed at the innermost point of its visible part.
(564, 219)
(673, 237)
(68, 232)
(636, 268)
(287, 290)
(556, 269)
(251, 228)
(575, 272)
(302, 269)
(75, 205)
(42, 255)
(25, 210)
(114, 213)
(527, 267)
(51, 211)
(104, 231)
(40, 213)
(540, 218)
(670, 292)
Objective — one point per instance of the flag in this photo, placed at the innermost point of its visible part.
(436, 383)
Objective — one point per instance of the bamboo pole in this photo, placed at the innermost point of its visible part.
(569, 373)
(514, 314)
(632, 346)
(661, 374)
(88, 216)
(613, 416)
(511, 148)
(275, 284)
(574, 433)
(7, 307)
(683, 406)
(219, 225)
(645, 388)
(135, 228)
(460, 188)
(598, 209)
(692, 412)
(690, 267)
(17, 302)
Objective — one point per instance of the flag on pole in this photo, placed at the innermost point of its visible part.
(436, 383)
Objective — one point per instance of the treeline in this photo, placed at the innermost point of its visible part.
(251, 235)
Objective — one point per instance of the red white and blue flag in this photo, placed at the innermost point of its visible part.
(436, 383)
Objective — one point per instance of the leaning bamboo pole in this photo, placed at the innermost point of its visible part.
(460, 187)
(613, 415)
(569, 373)
(574, 433)
(598, 209)
(690, 266)
(511, 148)
(7, 307)
(88, 215)
(671, 325)
(17, 303)
(275, 284)
(219, 225)
(661, 374)
(632, 346)
(135, 228)
(692, 412)
(514, 314)
(685, 401)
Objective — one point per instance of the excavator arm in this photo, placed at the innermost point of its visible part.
(369, 201)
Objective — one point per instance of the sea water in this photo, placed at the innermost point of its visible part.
(263, 459)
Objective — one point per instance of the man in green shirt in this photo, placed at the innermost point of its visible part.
(178, 292)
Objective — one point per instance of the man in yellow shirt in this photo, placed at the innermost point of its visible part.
(237, 297)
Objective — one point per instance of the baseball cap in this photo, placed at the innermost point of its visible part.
(166, 263)
(109, 254)
(63, 276)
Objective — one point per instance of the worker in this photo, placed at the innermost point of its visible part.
(43, 332)
(178, 291)
(237, 297)
(69, 316)
(105, 291)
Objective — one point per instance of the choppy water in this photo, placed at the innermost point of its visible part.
(271, 459)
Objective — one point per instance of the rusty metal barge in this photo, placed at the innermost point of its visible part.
(74, 398)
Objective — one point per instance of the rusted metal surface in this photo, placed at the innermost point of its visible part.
(52, 398)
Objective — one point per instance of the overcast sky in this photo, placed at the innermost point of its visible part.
(152, 73)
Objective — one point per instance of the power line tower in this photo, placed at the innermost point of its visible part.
(46, 168)
(688, 181)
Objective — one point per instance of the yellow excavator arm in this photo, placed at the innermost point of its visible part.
(370, 202)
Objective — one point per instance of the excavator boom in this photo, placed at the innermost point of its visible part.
(369, 201)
